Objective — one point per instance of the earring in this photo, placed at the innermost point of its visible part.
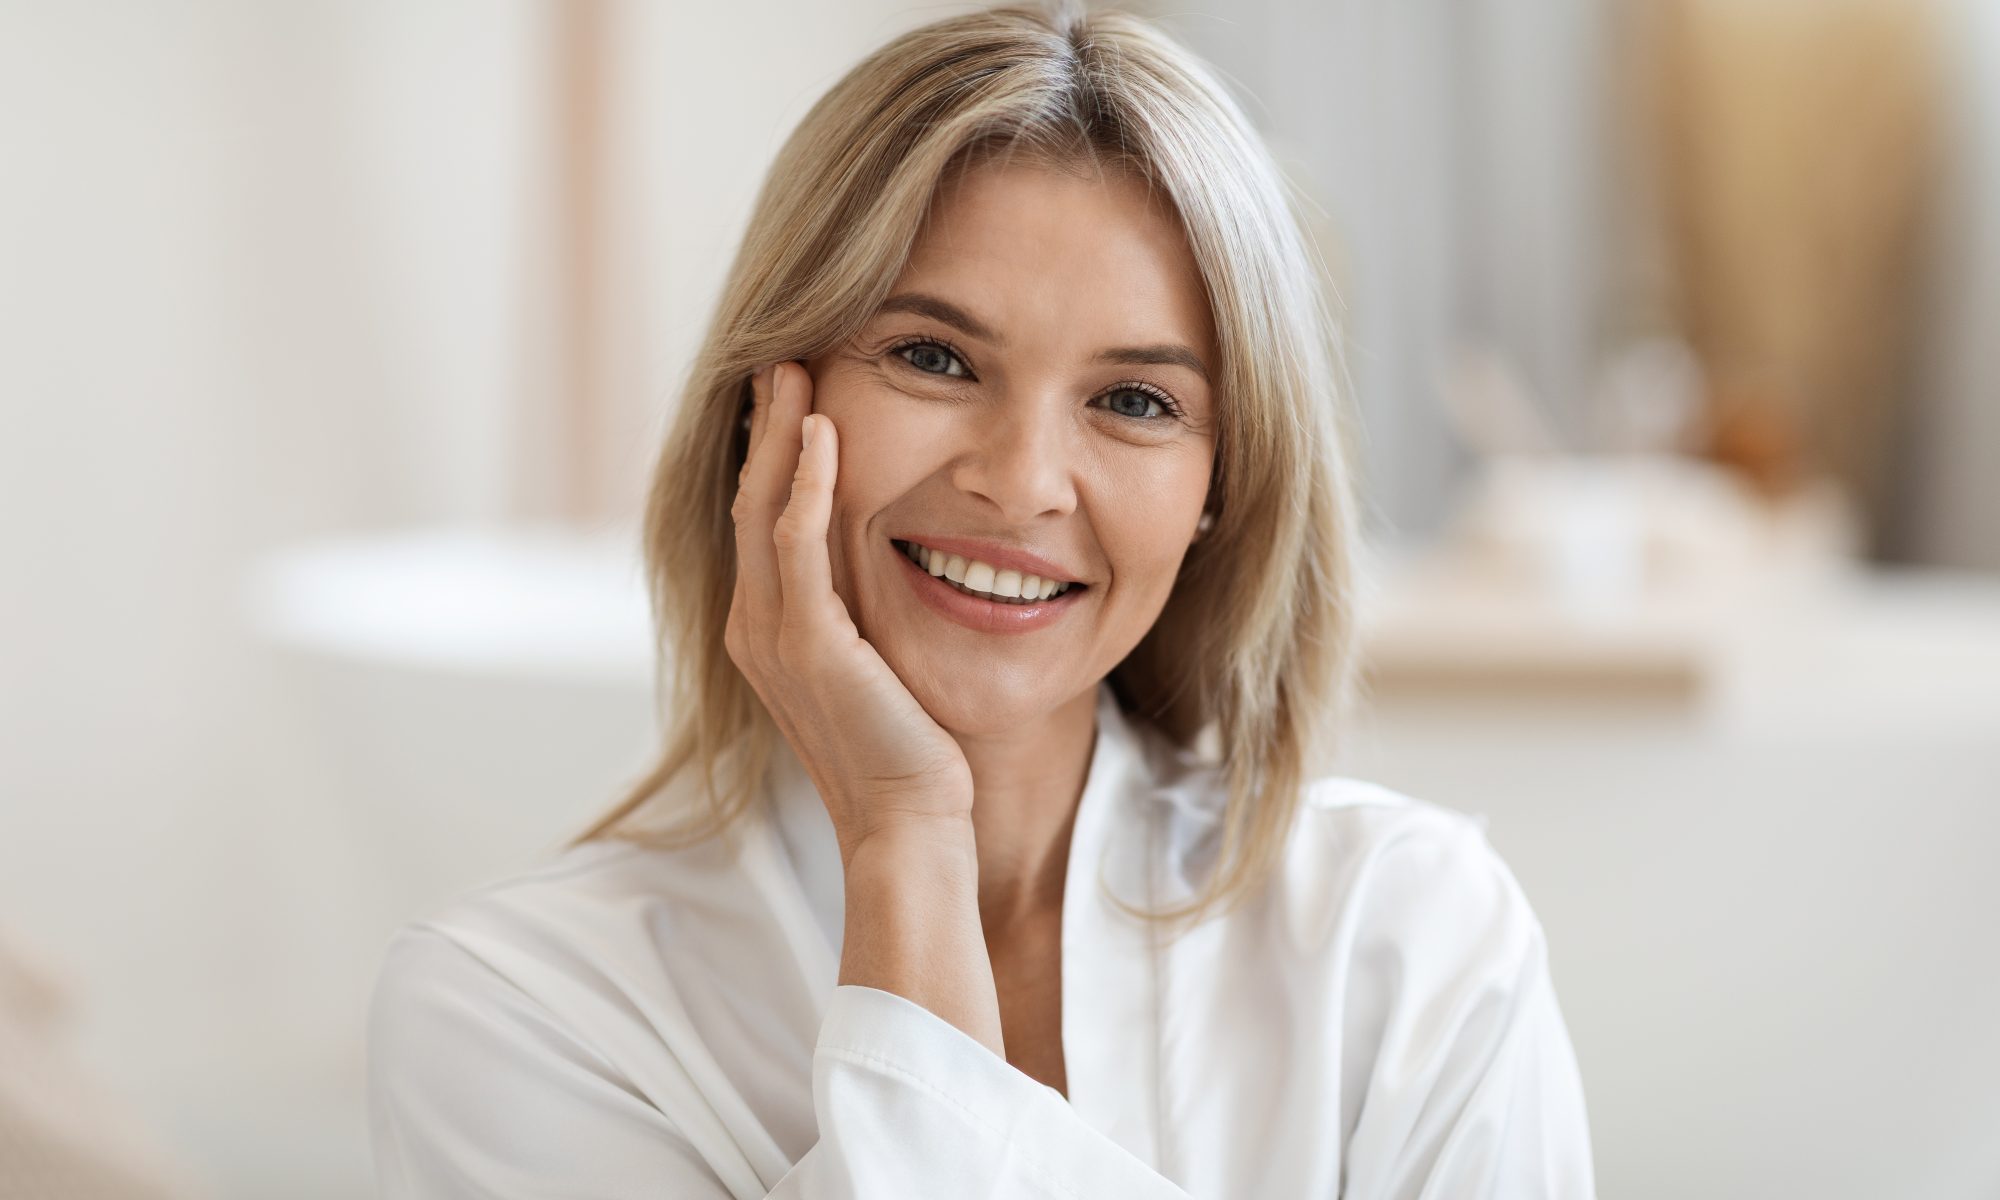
(1201, 527)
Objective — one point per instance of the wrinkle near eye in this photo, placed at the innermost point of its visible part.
(936, 351)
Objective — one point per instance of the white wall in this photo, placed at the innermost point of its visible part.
(265, 273)
(269, 272)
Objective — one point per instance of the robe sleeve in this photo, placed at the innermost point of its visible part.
(1474, 1093)
(477, 1091)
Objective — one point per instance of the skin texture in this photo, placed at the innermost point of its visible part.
(951, 760)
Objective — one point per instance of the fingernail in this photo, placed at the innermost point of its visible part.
(806, 432)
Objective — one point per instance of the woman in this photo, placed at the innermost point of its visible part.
(1003, 544)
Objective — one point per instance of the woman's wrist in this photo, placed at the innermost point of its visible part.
(912, 921)
(936, 834)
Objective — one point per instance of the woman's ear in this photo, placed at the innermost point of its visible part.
(1202, 527)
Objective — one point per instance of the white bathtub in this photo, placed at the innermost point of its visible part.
(482, 692)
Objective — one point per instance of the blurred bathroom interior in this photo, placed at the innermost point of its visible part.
(336, 339)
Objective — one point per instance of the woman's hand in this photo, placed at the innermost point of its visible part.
(895, 783)
(881, 764)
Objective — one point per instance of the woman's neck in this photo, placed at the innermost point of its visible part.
(1026, 785)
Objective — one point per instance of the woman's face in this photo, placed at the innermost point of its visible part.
(1035, 384)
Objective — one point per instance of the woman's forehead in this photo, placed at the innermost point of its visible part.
(1022, 250)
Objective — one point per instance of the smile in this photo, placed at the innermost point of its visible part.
(983, 608)
(984, 580)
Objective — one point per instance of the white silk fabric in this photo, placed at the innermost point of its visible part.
(1377, 1023)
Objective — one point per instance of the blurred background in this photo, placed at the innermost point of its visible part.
(335, 340)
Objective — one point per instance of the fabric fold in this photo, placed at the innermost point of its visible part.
(888, 1072)
(1377, 1022)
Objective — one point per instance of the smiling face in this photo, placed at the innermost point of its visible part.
(1036, 383)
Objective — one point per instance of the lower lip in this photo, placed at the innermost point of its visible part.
(985, 616)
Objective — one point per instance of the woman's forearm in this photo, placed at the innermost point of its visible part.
(912, 923)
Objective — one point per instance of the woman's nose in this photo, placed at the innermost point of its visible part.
(1021, 462)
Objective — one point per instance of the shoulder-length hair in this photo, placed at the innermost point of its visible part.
(1250, 659)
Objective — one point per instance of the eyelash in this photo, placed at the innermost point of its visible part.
(1145, 389)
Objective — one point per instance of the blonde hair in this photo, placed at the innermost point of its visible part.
(1255, 644)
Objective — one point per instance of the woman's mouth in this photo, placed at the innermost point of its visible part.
(976, 594)
(984, 580)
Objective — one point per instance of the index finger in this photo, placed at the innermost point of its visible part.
(765, 483)
(753, 418)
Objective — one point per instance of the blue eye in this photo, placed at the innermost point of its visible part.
(1136, 402)
(933, 357)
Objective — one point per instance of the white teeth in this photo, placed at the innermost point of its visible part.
(980, 578)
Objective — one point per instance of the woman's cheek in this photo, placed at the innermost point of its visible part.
(903, 431)
(1161, 558)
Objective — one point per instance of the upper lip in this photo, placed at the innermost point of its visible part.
(1006, 557)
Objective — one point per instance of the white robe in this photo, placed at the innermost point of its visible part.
(1378, 1023)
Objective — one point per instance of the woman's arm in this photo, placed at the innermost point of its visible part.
(895, 784)
(913, 928)
(476, 1089)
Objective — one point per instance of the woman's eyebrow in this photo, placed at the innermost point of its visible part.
(1168, 354)
(925, 305)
